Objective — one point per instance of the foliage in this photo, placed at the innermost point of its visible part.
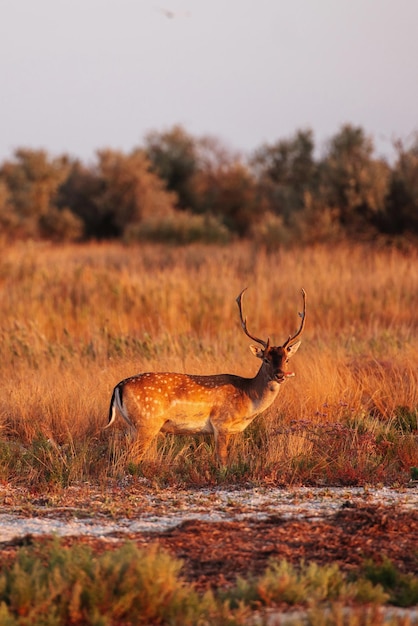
(29, 186)
(173, 155)
(281, 194)
(402, 213)
(286, 171)
(308, 584)
(50, 583)
(54, 585)
(402, 588)
(179, 228)
(230, 193)
(119, 193)
(352, 181)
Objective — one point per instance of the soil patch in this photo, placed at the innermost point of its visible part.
(240, 541)
(214, 554)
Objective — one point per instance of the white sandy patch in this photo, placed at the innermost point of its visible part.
(167, 509)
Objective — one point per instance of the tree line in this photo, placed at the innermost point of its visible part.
(179, 188)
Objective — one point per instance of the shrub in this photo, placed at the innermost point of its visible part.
(402, 589)
(53, 585)
(180, 228)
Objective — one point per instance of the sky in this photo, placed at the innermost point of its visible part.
(82, 75)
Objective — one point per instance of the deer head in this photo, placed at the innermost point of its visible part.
(274, 357)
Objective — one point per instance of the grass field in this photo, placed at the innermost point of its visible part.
(74, 320)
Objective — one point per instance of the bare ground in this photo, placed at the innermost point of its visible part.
(216, 553)
(221, 534)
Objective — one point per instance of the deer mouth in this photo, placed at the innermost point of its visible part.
(280, 378)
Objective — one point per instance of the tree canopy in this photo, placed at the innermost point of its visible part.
(181, 188)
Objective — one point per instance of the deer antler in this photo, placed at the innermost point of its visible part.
(265, 344)
(292, 338)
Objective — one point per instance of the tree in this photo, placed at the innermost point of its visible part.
(118, 193)
(286, 170)
(352, 181)
(32, 181)
(402, 200)
(230, 193)
(173, 158)
(80, 192)
(207, 178)
(9, 221)
(130, 191)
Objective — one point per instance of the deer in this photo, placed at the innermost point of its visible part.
(220, 404)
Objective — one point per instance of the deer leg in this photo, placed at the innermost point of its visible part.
(142, 442)
(221, 444)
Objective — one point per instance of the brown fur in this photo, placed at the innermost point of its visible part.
(221, 405)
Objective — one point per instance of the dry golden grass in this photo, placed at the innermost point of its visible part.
(74, 320)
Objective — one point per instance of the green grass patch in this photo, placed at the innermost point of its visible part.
(402, 588)
(49, 584)
(309, 585)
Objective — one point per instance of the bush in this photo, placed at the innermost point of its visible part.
(53, 585)
(309, 584)
(402, 589)
(180, 228)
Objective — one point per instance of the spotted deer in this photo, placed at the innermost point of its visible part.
(219, 404)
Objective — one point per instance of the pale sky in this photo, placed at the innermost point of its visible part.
(81, 75)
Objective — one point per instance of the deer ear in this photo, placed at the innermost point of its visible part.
(257, 351)
(292, 349)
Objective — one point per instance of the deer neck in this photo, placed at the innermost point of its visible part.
(264, 386)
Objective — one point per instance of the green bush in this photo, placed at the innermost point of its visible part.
(50, 584)
(180, 228)
(402, 589)
(55, 585)
(309, 584)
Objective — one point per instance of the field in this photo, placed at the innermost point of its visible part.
(74, 320)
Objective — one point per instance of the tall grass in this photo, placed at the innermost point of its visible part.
(74, 320)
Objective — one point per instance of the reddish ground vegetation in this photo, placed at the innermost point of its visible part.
(216, 553)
